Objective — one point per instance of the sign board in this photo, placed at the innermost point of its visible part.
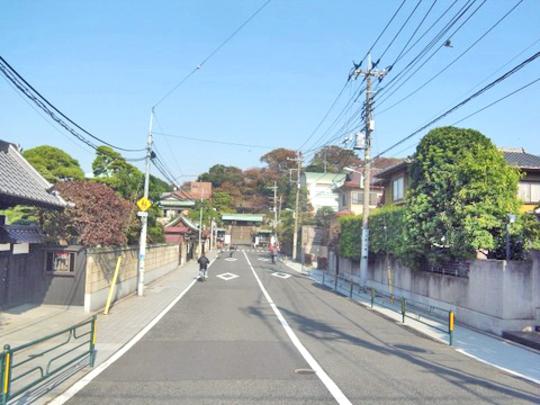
(142, 214)
(144, 204)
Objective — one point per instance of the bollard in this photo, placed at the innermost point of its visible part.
(323, 278)
(351, 290)
(93, 341)
(451, 322)
(335, 282)
(372, 297)
(6, 374)
(403, 309)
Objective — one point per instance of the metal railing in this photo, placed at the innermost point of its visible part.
(26, 366)
(429, 315)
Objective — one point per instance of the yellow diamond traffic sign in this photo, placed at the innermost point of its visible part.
(144, 203)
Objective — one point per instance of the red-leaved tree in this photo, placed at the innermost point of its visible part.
(98, 217)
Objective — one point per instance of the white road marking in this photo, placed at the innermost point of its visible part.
(263, 259)
(230, 259)
(83, 382)
(279, 274)
(227, 276)
(330, 385)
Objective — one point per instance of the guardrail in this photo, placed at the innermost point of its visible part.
(426, 314)
(26, 366)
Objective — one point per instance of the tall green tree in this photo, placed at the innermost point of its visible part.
(332, 159)
(461, 191)
(53, 163)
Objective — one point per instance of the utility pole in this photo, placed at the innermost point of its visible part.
(297, 203)
(274, 225)
(368, 74)
(144, 215)
(200, 226)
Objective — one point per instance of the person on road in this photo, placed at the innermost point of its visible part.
(273, 252)
(203, 267)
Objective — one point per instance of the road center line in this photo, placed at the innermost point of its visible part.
(83, 382)
(330, 385)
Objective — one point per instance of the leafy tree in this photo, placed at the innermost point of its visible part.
(53, 163)
(98, 216)
(323, 217)
(460, 193)
(219, 174)
(21, 215)
(222, 201)
(350, 237)
(332, 159)
(280, 160)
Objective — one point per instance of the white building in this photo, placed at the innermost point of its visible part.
(321, 186)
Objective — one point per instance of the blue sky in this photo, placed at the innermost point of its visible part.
(105, 63)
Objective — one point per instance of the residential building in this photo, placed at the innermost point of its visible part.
(529, 184)
(351, 192)
(175, 203)
(26, 273)
(395, 179)
(321, 189)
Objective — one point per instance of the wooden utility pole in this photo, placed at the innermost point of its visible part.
(368, 74)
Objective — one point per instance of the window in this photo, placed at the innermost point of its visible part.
(398, 188)
(60, 262)
(357, 197)
(529, 192)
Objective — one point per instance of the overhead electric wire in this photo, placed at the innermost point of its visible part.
(14, 77)
(449, 64)
(496, 101)
(326, 114)
(213, 53)
(465, 101)
(207, 140)
(401, 53)
(396, 35)
(393, 81)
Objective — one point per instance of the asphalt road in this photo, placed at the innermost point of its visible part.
(223, 344)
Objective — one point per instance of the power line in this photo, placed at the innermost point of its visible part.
(425, 50)
(465, 101)
(450, 64)
(398, 32)
(29, 91)
(497, 101)
(207, 140)
(213, 53)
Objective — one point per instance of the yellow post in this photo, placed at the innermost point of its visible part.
(451, 321)
(113, 285)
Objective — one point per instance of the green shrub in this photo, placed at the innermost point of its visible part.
(387, 231)
(350, 236)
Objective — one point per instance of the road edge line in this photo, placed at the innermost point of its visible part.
(83, 382)
(330, 385)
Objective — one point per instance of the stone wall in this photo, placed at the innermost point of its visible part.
(497, 296)
(101, 262)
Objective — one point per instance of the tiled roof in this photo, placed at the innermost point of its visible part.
(521, 159)
(20, 234)
(20, 183)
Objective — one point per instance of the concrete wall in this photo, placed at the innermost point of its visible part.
(100, 265)
(497, 295)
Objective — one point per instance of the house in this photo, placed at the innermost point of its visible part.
(23, 274)
(529, 184)
(184, 233)
(395, 179)
(351, 192)
(321, 189)
(175, 203)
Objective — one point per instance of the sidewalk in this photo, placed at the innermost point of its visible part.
(490, 349)
(126, 318)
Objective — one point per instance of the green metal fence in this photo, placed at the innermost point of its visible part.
(26, 366)
(429, 315)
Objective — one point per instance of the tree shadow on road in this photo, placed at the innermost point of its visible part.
(326, 332)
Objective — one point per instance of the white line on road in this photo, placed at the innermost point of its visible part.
(330, 385)
(79, 385)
